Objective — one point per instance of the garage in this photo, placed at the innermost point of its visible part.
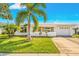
(64, 31)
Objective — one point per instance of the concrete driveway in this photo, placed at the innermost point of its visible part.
(66, 46)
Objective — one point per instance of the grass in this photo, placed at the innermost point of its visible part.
(3, 36)
(20, 45)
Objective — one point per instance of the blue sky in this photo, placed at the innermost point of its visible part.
(63, 13)
(56, 13)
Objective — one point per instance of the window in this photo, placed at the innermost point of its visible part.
(52, 29)
(49, 29)
(64, 27)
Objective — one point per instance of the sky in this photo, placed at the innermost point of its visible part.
(57, 13)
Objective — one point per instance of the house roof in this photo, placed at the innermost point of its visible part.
(55, 25)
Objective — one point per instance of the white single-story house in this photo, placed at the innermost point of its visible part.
(53, 30)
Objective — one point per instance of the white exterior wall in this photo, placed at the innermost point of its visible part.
(72, 31)
(51, 33)
(57, 31)
(0, 30)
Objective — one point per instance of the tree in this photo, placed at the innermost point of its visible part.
(5, 12)
(10, 29)
(32, 11)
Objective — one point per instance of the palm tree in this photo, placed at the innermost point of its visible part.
(32, 11)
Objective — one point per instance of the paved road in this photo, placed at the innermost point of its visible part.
(66, 46)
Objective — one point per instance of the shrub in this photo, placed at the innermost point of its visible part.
(10, 29)
(75, 36)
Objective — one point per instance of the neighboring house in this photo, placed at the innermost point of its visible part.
(55, 29)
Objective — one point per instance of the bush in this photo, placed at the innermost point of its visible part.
(10, 29)
(75, 36)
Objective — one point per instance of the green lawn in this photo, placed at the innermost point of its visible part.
(20, 44)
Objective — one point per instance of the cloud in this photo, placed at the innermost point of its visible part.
(16, 6)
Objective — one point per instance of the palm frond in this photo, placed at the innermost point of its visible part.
(36, 23)
(28, 5)
(40, 13)
(43, 5)
(21, 16)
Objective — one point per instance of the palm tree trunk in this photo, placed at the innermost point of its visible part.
(29, 36)
(8, 29)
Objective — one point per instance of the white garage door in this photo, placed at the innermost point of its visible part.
(63, 32)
